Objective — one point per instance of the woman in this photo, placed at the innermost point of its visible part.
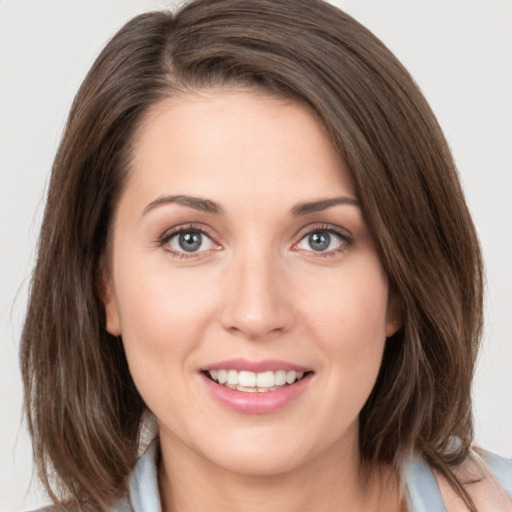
(255, 250)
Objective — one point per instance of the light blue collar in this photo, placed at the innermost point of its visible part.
(422, 489)
(144, 494)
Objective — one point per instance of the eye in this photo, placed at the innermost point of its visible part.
(189, 241)
(322, 240)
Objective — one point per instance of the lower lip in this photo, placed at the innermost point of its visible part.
(256, 403)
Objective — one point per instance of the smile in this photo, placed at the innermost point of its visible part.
(252, 382)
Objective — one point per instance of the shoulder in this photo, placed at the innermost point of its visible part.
(142, 494)
(486, 476)
(501, 467)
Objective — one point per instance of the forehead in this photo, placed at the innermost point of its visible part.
(222, 142)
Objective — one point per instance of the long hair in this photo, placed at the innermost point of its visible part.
(84, 412)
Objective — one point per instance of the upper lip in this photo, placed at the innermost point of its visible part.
(272, 365)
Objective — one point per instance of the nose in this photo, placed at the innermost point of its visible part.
(256, 298)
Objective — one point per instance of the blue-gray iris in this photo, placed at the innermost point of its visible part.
(190, 241)
(319, 241)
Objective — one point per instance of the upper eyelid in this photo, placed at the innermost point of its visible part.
(200, 228)
(193, 226)
(344, 233)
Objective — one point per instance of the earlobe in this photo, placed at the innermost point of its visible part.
(113, 324)
(392, 327)
(394, 321)
(106, 291)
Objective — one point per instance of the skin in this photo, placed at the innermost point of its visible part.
(256, 289)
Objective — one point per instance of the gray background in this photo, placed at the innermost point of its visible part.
(460, 53)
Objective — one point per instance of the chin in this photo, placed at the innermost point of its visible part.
(261, 462)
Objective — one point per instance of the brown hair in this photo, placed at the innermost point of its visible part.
(83, 410)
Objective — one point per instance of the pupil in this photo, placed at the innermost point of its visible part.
(319, 241)
(190, 241)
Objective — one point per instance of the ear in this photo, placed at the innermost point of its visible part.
(394, 314)
(108, 297)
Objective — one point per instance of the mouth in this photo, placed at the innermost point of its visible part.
(255, 382)
(256, 387)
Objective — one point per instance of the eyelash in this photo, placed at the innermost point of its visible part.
(194, 228)
(346, 240)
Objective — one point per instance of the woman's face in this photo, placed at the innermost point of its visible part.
(240, 252)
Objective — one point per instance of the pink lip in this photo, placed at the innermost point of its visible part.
(272, 365)
(257, 402)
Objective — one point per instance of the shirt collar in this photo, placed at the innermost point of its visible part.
(143, 487)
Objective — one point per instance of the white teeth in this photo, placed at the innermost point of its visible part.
(250, 381)
(265, 380)
(247, 379)
(291, 376)
(247, 389)
(222, 376)
(232, 377)
(280, 378)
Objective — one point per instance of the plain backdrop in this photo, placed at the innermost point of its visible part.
(459, 52)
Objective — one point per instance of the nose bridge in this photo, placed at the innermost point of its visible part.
(256, 303)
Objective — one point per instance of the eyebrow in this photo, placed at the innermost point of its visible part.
(322, 204)
(198, 203)
(208, 206)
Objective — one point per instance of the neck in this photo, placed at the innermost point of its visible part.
(331, 482)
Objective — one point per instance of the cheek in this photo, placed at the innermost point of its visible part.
(156, 303)
(353, 302)
(162, 325)
(348, 317)
(163, 318)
